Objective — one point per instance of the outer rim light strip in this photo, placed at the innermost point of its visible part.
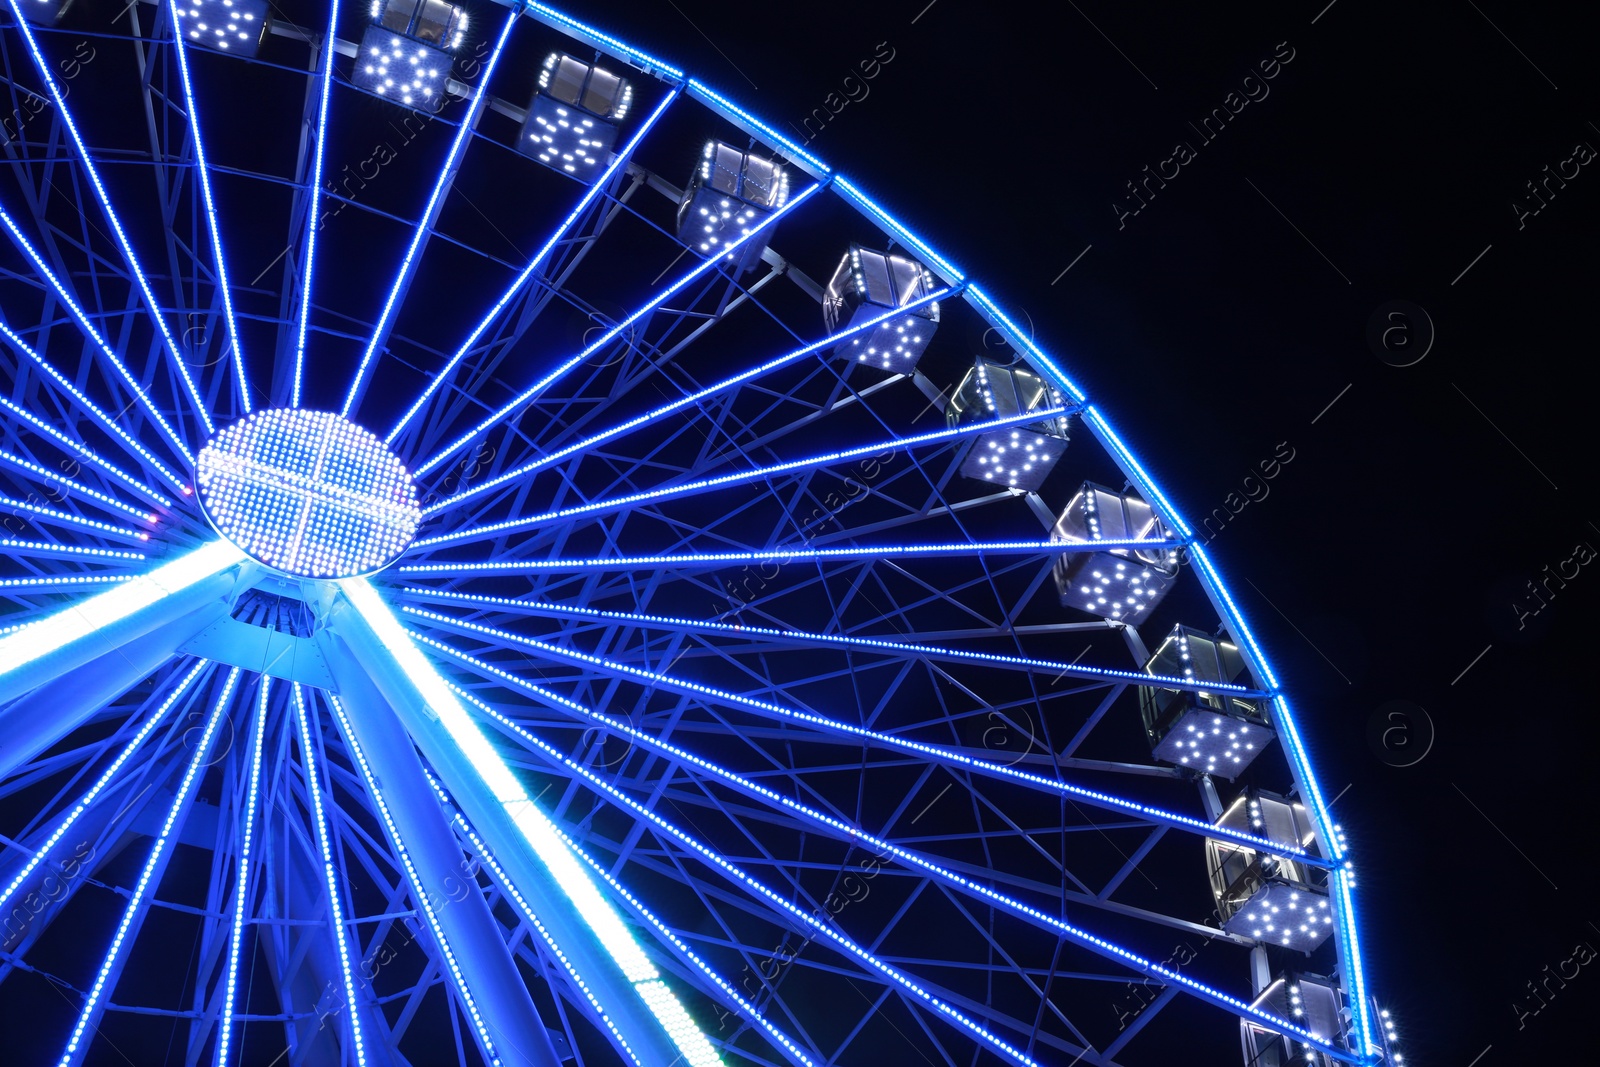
(717, 482)
(1021, 340)
(418, 893)
(1345, 909)
(537, 830)
(336, 918)
(102, 782)
(570, 25)
(693, 398)
(706, 95)
(487, 856)
(204, 168)
(180, 804)
(68, 519)
(532, 392)
(83, 451)
(95, 413)
(908, 859)
(425, 224)
(996, 770)
(533, 265)
(861, 199)
(545, 607)
(847, 946)
(45, 548)
(88, 328)
(242, 882)
(49, 79)
(784, 555)
(694, 1054)
(312, 211)
(77, 488)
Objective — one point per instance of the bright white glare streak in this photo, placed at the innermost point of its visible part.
(241, 890)
(116, 604)
(313, 209)
(93, 334)
(533, 265)
(536, 828)
(425, 225)
(181, 51)
(180, 803)
(47, 74)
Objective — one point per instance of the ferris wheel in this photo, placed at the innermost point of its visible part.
(510, 559)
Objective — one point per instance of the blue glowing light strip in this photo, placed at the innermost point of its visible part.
(605, 42)
(782, 1040)
(312, 211)
(241, 885)
(47, 74)
(900, 233)
(537, 830)
(1350, 938)
(765, 709)
(908, 858)
(782, 555)
(62, 583)
(447, 172)
(418, 893)
(1044, 666)
(330, 876)
(1137, 473)
(533, 266)
(88, 798)
(12, 547)
(667, 492)
(528, 913)
(204, 168)
(105, 500)
(66, 519)
(91, 409)
(1021, 340)
(717, 102)
(83, 452)
(529, 394)
(780, 901)
(694, 398)
(180, 804)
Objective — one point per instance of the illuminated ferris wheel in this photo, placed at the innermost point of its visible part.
(510, 559)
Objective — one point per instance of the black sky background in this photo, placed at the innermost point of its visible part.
(1391, 558)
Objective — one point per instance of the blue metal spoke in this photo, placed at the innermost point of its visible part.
(89, 331)
(62, 484)
(700, 485)
(111, 965)
(939, 753)
(783, 555)
(313, 214)
(533, 392)
(430, 214)
(1043, 666)
(175, 8)
(590, 442)
(47, 74)
(534, 265)
(83, 452)
(241, 885)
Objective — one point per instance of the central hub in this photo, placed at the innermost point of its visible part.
(308, 493)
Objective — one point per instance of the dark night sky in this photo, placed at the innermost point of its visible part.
(1229, 319)
(1228, 313)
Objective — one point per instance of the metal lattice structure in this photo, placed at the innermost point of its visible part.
(770, 678)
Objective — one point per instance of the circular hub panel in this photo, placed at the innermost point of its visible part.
(308, 493)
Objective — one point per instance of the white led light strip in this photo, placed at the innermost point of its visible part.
(180, 804)
(536, 828)
(241, 886)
